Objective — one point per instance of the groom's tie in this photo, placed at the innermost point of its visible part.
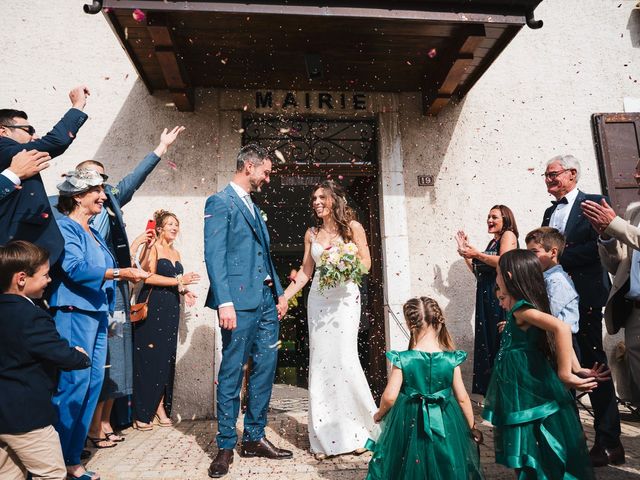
(249, 203)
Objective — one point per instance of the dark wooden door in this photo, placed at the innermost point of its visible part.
(617, 142)
(308, 152)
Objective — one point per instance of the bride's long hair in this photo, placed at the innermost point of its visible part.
(342, 214)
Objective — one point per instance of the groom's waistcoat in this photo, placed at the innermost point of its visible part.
(237, 255)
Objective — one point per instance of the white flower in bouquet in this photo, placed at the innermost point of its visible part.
(339, 265)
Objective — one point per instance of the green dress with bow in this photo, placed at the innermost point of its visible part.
(537, 430)
(425, 434)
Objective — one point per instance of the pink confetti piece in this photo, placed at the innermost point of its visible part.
(432, 53)
(172, 165)
(138, 15)
(71, 135)
(44, 215)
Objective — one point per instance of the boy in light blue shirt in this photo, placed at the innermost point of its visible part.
(548, 243)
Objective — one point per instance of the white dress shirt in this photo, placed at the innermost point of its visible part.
(560, 215)
(11, 176)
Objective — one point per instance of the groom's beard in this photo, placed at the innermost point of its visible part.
(255, 186)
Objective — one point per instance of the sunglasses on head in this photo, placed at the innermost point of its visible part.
(26, 128)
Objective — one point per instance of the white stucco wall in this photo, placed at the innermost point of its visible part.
(534, 102)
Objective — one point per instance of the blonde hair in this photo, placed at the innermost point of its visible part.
(420, 312)
(160, 216)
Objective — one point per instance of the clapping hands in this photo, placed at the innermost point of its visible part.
(464, 249)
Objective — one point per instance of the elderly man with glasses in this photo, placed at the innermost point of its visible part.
(581, 261)
(27, 215)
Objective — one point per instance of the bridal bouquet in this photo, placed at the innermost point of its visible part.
(339, 264)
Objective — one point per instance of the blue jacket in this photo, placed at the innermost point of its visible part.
(236, 252)
(31, 352)
(79, 281)
(6, 187)
(27, 215)
(117, 197)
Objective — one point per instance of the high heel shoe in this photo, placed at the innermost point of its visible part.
(143, 427)
(167, 422)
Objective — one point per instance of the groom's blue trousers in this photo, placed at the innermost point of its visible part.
(255, 336)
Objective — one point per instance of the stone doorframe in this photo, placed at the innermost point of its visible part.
(393, 222)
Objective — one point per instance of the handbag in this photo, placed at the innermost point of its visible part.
(139, 311)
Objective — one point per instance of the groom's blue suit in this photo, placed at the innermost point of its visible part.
(236, 247)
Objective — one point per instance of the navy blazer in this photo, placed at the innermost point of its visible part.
(27, 215)
(7, 187)
(580, 258)
(80, 280)
(236, 252)
(31, 352)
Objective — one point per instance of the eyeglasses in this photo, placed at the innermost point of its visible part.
(554, 175)
(25, 128)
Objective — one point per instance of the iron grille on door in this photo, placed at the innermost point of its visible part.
(316, 142)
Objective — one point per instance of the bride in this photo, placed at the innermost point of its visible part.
(341, 406)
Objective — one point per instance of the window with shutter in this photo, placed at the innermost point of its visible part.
(617, 142)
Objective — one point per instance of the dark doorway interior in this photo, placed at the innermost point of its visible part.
(285, 201)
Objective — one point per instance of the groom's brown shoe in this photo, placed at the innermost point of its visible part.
(220, 465)
(264, 448)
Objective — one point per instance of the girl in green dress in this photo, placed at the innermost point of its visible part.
(537, 431)
(428, 430)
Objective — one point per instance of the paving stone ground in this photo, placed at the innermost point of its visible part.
(183, 452)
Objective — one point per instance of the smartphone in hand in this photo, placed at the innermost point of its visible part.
(151, 225)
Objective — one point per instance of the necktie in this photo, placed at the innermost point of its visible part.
(562, 200)
(249, 202)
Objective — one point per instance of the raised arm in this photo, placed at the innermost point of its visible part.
(61, 135)
(133, 181)
(303, 276)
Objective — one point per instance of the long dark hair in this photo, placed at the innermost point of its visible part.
(342, 214)
(522, 275)
(508, 219)
(422, 311)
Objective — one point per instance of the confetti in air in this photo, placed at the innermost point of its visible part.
(280, 156)
(138, 15)
(432, 53)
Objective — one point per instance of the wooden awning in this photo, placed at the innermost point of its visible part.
(438, 48)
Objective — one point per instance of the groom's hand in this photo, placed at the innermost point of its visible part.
(227, 317)
(282, 307)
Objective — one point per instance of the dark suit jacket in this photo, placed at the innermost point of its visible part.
(27, 215)
(580, 258)
(31, 351)
(236, 252)
(6, 187)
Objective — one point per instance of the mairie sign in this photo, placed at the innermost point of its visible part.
(312, 100)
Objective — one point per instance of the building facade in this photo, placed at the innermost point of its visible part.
(414, 179)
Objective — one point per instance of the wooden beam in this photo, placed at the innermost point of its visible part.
(451, 71)
(316, 11)
(171, 65)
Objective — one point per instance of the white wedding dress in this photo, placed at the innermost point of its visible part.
(341, 406)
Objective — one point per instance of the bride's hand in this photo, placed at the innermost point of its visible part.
(377, 417)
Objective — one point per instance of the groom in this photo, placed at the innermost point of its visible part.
(247, 294)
